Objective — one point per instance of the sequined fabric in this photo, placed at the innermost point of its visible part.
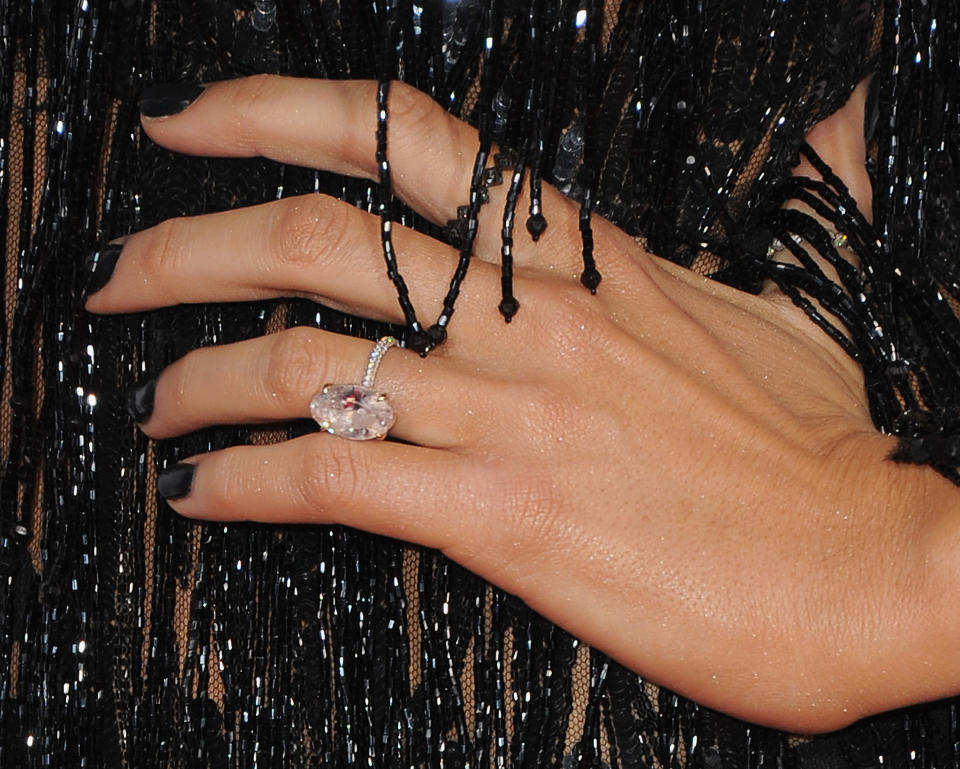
(130, 637)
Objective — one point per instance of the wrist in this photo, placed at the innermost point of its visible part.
(909, 623)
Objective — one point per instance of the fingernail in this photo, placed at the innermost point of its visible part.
(175, 482)
(140, 400)
(168, 98)
(100, 265)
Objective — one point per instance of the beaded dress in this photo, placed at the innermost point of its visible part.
(130, 637)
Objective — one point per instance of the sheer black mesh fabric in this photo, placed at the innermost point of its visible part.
(133, 638)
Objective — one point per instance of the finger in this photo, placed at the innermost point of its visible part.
(273, 378)
(312, 245)
(400, 491)
(332, 124)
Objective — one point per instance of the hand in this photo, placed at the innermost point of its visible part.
(683, 475)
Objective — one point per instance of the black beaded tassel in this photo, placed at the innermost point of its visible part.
(416, 338)
(437, 333)
(536, 222)
(590, 277)
(508, 302)
(419, 339)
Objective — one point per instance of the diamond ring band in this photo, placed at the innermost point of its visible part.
(356, 412)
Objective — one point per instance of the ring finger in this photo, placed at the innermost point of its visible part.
(273, 378)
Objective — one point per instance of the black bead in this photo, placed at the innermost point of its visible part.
(508, 308)
(591, 279)
(437, 335)
(536, 225)
(419, 342)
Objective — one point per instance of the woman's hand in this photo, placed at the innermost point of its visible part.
(682, 475)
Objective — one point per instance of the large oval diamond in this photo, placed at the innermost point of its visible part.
(352, 411)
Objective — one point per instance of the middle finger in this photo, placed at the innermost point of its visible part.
(312, 245)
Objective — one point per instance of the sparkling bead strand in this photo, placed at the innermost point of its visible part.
(386, 211)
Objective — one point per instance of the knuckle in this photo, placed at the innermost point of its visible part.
(295, 365)
(179, 380)
(564, 314)
(414, 116)
(313, 481)
(251, 99)
(225, 491)
(308, 229)
(410, 107)
(329, 474)
(548, 412)
(571, 321)
(233, 480)
(167, 251)
(364, 113)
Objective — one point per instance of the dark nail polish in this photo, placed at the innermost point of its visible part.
(100, 265)
(140, 400)
(175, 482)
(168, 98)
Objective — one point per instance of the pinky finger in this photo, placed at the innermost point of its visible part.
(397, 490)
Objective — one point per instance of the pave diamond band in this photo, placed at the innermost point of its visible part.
(373, 362)
(356, 412)
(838, 239)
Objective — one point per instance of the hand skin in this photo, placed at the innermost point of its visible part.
(683, 475)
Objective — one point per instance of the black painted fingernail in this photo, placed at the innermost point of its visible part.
(100, 265)
(168, 98)
(175, 482)
(140, 400)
